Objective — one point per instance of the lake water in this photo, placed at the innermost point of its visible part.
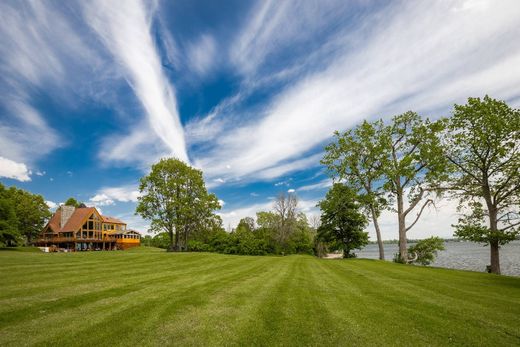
(461, 255)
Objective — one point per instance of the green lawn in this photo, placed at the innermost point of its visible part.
(150, 297)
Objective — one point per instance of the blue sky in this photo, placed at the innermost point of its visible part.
(93, 92)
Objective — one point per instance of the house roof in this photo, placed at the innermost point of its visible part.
(54, 222)
(113, 220)
(78, 218)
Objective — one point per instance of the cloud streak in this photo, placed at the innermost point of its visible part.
(404, 60)
(125, 32)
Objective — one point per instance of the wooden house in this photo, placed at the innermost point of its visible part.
(84, 228)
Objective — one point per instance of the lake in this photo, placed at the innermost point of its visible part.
(461, 255)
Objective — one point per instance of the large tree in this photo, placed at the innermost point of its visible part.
(342, 221)
(175, 199)
(285, 207)
(9, 234)
(483, 144)
(413, 168)
(356, 157)
(31, 211)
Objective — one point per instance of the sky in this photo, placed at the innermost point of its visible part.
(92, 93)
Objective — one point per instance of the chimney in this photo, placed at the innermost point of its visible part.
(66, 213)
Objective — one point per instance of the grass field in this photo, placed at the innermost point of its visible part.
(150, 297)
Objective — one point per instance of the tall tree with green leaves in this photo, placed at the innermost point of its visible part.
(175, 199)
(9, 234)
(356, 157)
(413, 167)
(482, 143)
(31, 211)
(342, 221)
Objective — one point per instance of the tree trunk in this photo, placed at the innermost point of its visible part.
(346, 252)
(378, 234)
(171, 248)
(493, 244)
(495, 257)
(403, 246)
(176, 239)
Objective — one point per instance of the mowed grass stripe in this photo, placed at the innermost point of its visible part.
(149, 297)
(144, 296)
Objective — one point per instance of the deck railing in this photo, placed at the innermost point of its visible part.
(77, 239)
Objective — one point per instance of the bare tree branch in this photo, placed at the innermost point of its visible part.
(427, 202)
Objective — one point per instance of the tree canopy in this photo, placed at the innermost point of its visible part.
(356, 156)
(22, 215)
(482, 143)
(174, 198)
(342, 222)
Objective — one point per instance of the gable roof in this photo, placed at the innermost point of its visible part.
(107, 219)
(54, 222)
(78, 218)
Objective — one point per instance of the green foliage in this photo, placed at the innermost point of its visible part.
(72, 202)
(31, 211)
(175, 199)
(483, 145)
(425, 250)
(356, 156)
(342, 223)
(22, 215)
(248, 239)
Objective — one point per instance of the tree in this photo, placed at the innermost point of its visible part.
(482, 142)
(342, 222)
(356, 157)
(285, 207)
(72, 202)
(9, 234)
(425, 250)
(247, 224)
(31, 211)
(413, 167)
(175, 199)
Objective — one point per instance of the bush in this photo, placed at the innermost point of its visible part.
(426, 250)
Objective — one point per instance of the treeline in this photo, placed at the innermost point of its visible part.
(22, 216)
(402, 166)
(281, 231)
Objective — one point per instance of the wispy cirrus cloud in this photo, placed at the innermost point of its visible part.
(403, 60)
(201, 54)
(39, 47)
(125, 32)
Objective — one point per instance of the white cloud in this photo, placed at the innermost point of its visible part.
(24, 134)
(39, 48)
(222, 203)
(291, 191)
(40, 173)
(14, 170)
(402, 60)
(201, 55)
(125, 31)
(111, 195)
(326, 183)
(275, 26)
(52, 205)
